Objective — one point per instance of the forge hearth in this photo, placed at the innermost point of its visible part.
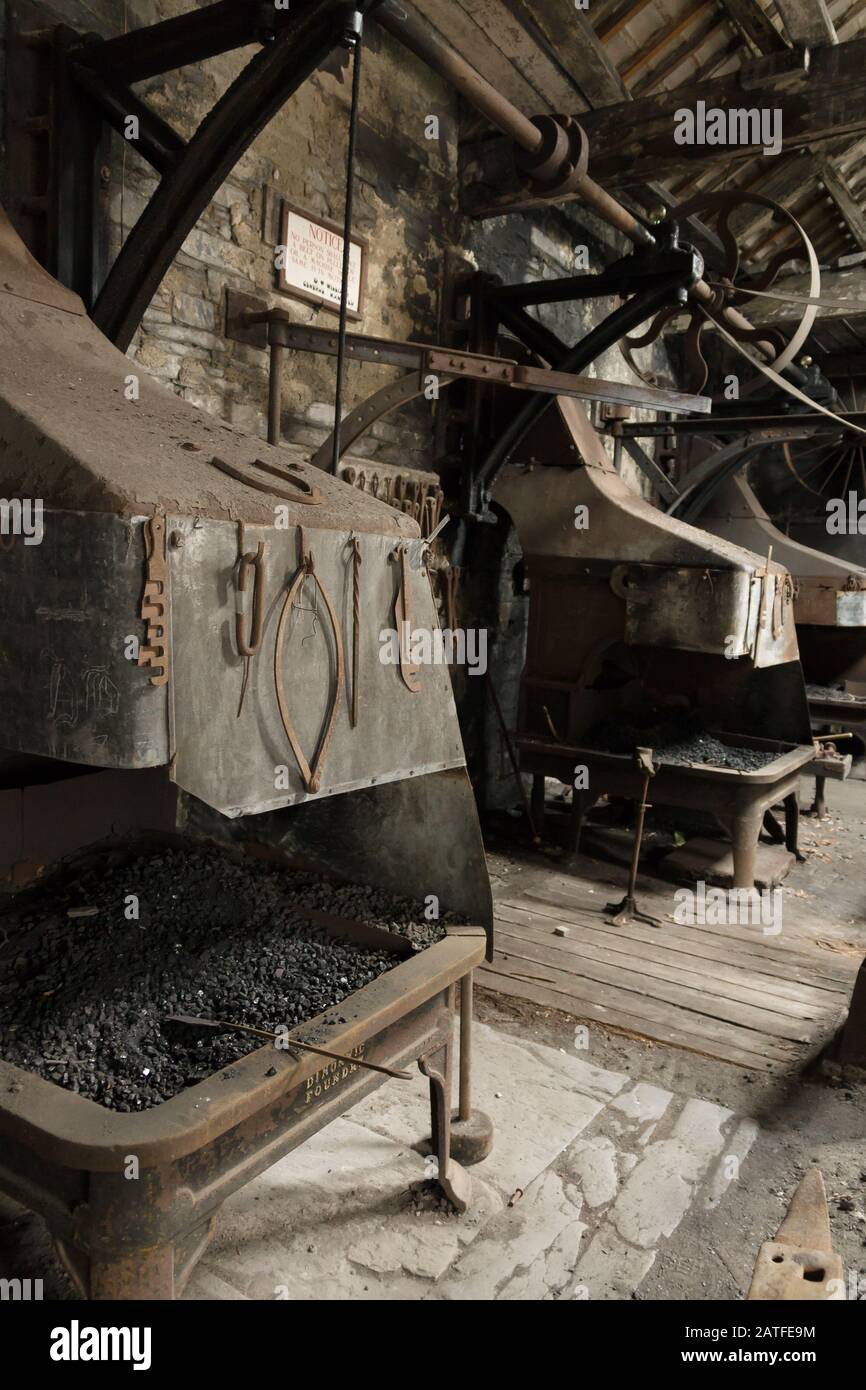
(130, 1193)
(739, 799)
(85, 991)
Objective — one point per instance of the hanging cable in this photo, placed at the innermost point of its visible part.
(353, 36)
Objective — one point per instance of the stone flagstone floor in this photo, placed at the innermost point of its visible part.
(589, 1175)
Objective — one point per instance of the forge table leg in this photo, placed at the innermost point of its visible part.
(745, 827)
(144, 1274)
(792, 825)
(471, 1130)
(819, 805)
(580, 804)
(454, 1181)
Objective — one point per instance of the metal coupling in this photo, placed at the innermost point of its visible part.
(561, 159)
(353, 26)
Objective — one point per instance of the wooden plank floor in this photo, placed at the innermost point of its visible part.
(763, 1002)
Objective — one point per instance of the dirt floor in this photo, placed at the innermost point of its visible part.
(803, 1120)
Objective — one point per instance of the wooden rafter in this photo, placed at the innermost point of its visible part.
(663, 37)
(754, 23)
(661, 72)
(846, 204)
(609, 28)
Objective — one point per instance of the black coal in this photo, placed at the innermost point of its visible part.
(83, 999)
(676, 741)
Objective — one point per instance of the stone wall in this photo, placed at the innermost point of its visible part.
(405, 204)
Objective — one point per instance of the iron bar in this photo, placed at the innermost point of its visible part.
(464, 1104)
(275, 393)
(354, 36)
(188, 38)
(621, 321)
(157, 141)
(776, 427)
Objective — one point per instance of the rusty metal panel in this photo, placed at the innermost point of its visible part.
(245, 764)
(67, 606)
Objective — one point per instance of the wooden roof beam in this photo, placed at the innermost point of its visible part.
(846, 205)
(632, 142)
(807, 21)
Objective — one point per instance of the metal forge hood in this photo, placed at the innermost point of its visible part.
(107, 451)
(706, 620)
(830, 592)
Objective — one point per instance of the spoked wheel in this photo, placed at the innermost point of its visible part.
(831, 465)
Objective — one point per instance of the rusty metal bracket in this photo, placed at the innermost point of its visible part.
(304, 493)
(154, 653)
(396, 393)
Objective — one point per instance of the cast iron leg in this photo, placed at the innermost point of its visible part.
(471, 1130)
(819, 805)
(145, 1274)
(792, 826)
(453, 1180)
(745, 828)
(580, 804)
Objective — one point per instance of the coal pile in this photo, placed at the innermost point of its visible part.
(677, 742)
(83, 998)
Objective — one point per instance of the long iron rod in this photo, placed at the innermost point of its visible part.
(347, 240)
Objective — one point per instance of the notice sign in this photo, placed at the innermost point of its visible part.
(310, 264)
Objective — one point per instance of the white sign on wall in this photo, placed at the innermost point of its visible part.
(312, 262)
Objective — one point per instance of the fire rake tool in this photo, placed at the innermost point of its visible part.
(192, 1021)
(627, 911)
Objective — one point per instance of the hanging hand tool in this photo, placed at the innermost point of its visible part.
(153, 604)
(312, 775)
(247, 648)
(626, 911)
(356, 624)
(403, 618)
